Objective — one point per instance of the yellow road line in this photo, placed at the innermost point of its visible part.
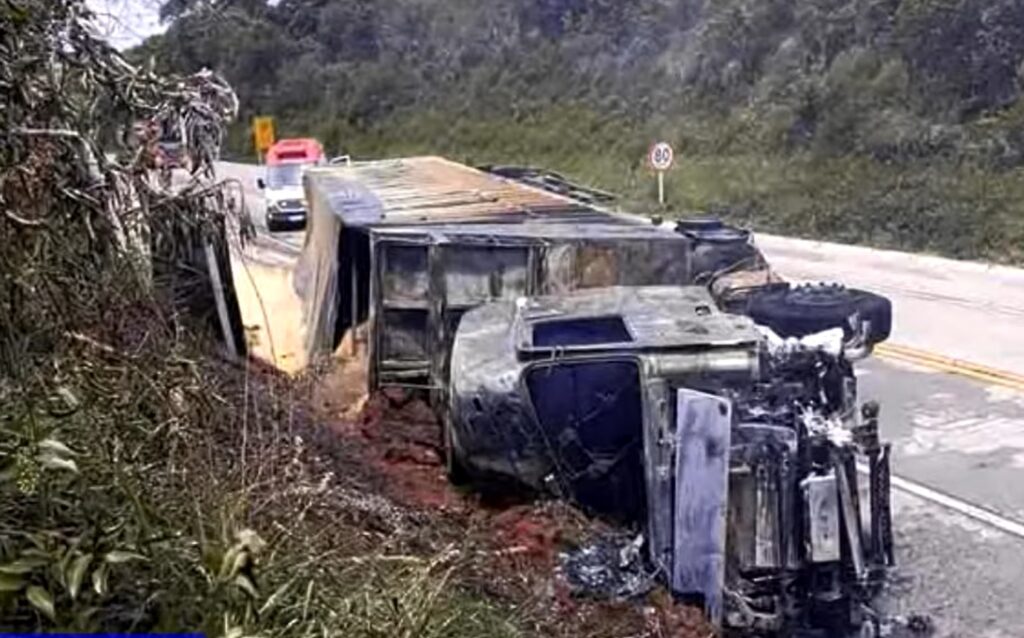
(950, 365)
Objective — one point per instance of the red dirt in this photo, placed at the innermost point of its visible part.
(403, 440)
(526, 527)
(399, 439)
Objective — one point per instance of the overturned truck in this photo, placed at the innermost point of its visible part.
(658, 375)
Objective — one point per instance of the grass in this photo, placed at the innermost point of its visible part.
(153, 490)
(943, 206)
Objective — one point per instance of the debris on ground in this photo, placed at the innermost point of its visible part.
(913, 626)
(608, 567)
(539, 529)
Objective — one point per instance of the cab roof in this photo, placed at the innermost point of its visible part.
(627, 318)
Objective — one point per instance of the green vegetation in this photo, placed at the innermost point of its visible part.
(147, 485)
(889, 122)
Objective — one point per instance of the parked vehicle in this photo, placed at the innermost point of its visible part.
(659, 376)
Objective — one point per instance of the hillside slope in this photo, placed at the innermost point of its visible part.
(891, 122)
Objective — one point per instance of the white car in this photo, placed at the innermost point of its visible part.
(286, 202)
(285, 199)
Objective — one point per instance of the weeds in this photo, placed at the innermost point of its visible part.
(958, 208)
(146, 483)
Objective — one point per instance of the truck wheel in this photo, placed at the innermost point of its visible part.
(798, 311)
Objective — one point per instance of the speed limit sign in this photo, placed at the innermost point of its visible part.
(661, 156)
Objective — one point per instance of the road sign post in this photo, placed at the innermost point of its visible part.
(263, 135)
(661, 157)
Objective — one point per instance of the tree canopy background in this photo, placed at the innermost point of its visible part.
(890, 122)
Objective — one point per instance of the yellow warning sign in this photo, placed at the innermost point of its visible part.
(263, 132)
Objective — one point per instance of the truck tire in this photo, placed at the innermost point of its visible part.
(798, 311)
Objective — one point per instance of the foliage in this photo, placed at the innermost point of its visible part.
(146, 484)
(925, 92)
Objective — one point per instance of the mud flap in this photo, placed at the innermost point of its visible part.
(703, 438)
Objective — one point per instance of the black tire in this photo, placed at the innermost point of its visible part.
(798, 311)
(273, 226)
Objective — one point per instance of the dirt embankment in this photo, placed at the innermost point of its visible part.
(397, 441)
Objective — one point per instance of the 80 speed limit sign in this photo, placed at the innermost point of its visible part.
(661, 156)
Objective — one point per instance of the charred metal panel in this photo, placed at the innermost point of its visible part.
(659, 461)
(404, 336)
(492, 425)
(324, 268)
(597, 266)
(404, 274)
(656, 317)
(629, 262)
(849, 513)
(761, 497)
(591, 416)
(477, 274)
(663, 263)
(557, 266)
(704, 424)
(439, 330)
(821, 503)
(755, 531)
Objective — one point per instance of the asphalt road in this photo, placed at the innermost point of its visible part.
(961, 309)
(958, 443)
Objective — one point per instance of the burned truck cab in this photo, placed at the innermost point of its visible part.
(737, 454)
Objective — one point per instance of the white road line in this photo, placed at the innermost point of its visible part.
(969, 510)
